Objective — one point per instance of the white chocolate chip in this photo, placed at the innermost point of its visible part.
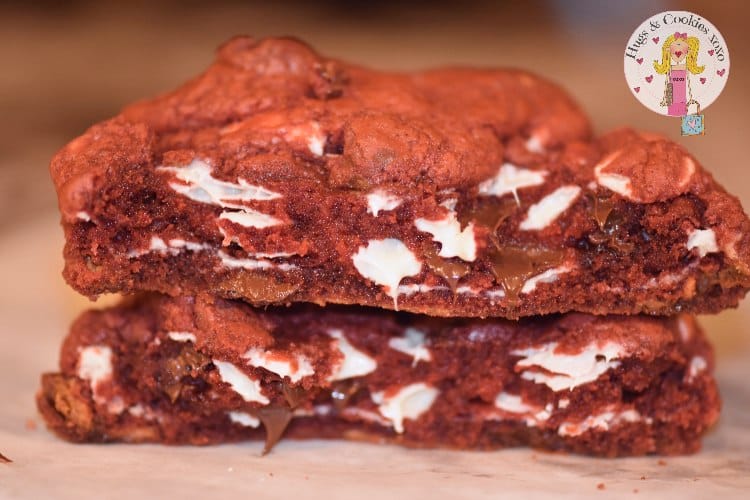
(496, 294)
(534, 145)
(412, 343)
(233, 263)
(182, 336)
(380, 200)
(250, 218)
(602, 421)
(365, 415)
(566, 371)
(311, 134)
(157, 245)
(408, 403)
(704, 240)
(617, 183)
(510, 179)
(355, 362)
(203, 187)
(450, 204)
(244, 419)
(512, 403)
(614, 182)
(280, 364)
(689, 169)
(84, 216)
(453, 241)
(386, 262)
(180, 244)
(95, 365)
(247, 388)
(685, 331)
(697, 365)
(174, 247)
(413, 288)
(548, 276)
(137, 410)
(316, 144)
(545, 211)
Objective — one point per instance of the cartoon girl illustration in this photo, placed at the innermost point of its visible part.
(679, 56)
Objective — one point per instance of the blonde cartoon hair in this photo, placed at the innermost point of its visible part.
(691, 60)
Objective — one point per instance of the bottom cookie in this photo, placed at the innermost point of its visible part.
(205, 370)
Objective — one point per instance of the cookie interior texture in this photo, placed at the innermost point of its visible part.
(206, 370)
(281, 176)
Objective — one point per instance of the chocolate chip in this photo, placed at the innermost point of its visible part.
(601, 209)
(488, 213)
(452, 270)
(342, 392)
(175, 368)
(611, 222)
(512, 266)
(275, 419)
(259, 288)
(294, 395)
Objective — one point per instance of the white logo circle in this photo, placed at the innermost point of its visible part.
(675, 62)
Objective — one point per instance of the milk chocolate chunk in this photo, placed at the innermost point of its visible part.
(451, 270)
(513, 266)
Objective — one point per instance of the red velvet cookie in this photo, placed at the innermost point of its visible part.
(282, 176)
(207, 370)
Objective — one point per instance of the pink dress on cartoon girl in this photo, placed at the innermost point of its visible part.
(678, 77)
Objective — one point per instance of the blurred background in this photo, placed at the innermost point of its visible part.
(69, 64)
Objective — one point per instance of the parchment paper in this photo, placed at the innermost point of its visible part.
(36, 308)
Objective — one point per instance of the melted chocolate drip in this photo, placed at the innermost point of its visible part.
(601, 209)
(488, 213)
(451, 270)
(4, 459)
(259, 288)
(512, 266)
(175, 368)
(610, 226)
(275, 419)
(342, 392)
(294, 395)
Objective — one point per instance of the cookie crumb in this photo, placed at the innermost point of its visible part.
(30, 424)
(635, 490)
(600, 486)
(4, 459)
(643, 478)
(662, 462)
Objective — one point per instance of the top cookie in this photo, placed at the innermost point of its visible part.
(280, 176)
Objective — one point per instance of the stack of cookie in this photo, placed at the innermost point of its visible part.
(444, 258)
